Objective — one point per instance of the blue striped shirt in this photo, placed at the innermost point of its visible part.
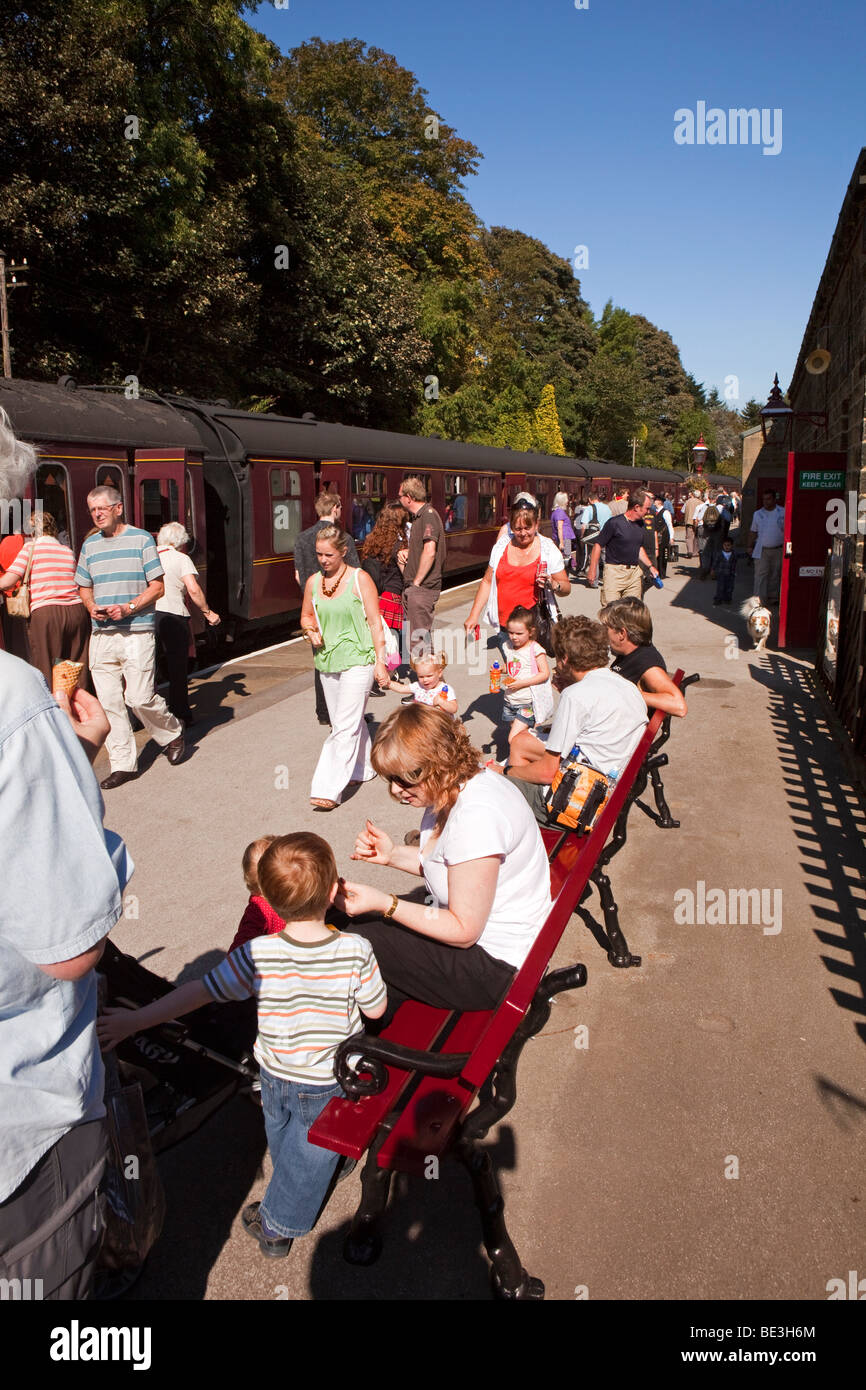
(118, 568)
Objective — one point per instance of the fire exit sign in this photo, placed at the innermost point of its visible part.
(825, 480)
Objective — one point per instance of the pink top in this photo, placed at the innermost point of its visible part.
(52, 575)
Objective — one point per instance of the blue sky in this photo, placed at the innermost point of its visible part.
(573, 110)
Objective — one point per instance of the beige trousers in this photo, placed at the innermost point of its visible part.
(620, 581)
(122, 665)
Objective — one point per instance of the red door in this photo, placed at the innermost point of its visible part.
(816, 482)
(158, 487)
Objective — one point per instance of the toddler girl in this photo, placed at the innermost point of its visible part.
(259, 918)
(528, 701)
(429, 688)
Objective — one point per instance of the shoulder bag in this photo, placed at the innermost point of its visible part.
(18, 605)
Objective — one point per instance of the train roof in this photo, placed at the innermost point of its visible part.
(43, 411)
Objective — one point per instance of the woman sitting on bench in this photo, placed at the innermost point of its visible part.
(481, 857)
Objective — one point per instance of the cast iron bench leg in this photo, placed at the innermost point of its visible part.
(665, 819)
(510, 1279)
(363, 1243)
(619, 953)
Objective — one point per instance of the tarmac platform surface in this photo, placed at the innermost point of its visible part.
(692, 1129)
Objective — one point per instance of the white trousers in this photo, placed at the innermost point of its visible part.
(122, 665)
(345, 755)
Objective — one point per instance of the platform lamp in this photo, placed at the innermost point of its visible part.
(777, 409)
(699, 452)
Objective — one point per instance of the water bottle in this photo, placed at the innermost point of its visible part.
(658, 582)
(495, 678)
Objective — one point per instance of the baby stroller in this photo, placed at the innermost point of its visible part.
(161, 1085)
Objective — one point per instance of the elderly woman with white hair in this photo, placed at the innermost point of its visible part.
(172, 614)
(563, 529)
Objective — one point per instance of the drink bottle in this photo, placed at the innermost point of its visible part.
(658, 582)
(495, 678)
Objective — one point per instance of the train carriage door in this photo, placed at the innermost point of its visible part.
(333, 476)
(514, 483)
(815, 510)
(158, 488)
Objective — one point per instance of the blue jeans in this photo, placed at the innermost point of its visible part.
(302, 1171)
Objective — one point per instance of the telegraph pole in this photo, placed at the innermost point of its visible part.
(16, 284)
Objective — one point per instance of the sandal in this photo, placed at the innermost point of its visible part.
(319, 803)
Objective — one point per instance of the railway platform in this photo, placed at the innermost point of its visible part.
(710, 1108)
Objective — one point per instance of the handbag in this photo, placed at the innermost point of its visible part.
(392, 647)
(544, 615)
(18, 605)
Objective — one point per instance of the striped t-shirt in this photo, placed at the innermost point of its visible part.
(52, 574)
(309, 994)
(118, 569)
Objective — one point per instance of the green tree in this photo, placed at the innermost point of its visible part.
(547, 432)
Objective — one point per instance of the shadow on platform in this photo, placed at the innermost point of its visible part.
(830, 825)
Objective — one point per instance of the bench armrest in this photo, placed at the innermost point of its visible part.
(375, 1054)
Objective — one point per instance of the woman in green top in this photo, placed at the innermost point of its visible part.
(340, 618)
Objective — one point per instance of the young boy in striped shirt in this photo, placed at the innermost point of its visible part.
(310, 983)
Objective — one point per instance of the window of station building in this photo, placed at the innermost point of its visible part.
(110, 475)
(369, 495)
(52, 490)
(488, 487)
(285, 509)
(456, 501)
(159, 503)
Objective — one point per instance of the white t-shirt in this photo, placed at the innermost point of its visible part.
(490, 817)
(603, 713)
(770, 529)
(520, 663)
(175, 564)
(431, 697)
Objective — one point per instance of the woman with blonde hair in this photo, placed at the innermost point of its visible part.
(481, 857)
(340, 619)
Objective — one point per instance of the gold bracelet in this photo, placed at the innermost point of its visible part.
(393, 908)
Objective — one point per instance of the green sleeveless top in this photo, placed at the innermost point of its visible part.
(343, 624)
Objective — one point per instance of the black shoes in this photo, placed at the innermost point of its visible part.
(117, 779)
(175, 750)
(274, 1247)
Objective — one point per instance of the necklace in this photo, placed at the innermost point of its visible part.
(329, 593)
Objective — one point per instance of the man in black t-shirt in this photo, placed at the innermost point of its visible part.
(629, 633)
(622, 538)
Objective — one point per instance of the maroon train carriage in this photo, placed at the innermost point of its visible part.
(244, 484)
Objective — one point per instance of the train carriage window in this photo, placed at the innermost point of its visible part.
(487, 490)
(285, 509)
(109, 475)
(540, 491)
(369, 495)
(52, 490)
(159, 503)
(188, 516)
(455, 502)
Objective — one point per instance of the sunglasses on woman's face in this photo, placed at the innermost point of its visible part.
(406, 784)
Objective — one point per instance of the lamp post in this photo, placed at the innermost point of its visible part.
(700, 452)
(777, 411)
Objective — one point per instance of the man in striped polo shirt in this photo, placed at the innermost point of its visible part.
(119, 578)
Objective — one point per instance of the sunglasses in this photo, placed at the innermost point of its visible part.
(406, 784)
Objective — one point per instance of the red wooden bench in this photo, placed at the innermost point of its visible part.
(409, 1090)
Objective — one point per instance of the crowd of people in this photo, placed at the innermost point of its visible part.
(318, 951)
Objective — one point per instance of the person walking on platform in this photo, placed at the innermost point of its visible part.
(622, 539)
(693, 501)
(341, 619)
(766, 538)
(422, 577)
(329, 511)
(172, 614)
(119, 578)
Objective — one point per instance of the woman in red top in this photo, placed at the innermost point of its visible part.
(515, 576)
